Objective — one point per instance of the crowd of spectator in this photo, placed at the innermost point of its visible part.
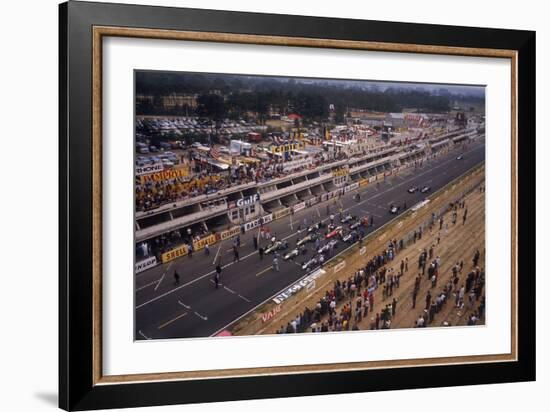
(359, 287)
(203, 178)
(355, 296)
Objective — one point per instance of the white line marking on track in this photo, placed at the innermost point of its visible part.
(243, 298)
(160, 280)
(147, 285)
(217, 253)
(201, 316)
(230, 290)
(184, 305)
(143, 334)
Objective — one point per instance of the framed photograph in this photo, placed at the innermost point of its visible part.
(257, 206)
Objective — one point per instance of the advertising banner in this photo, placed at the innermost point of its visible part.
(296, 287)
(145, 264)
(271, 314)
(201, 243)
(174, 253)
(267, 218)
(229, 233)
(144, 170)
(164, 175)
(281, 213)
(247, 201)
(299, 206)
(353, 186)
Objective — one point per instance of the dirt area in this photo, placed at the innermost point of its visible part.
(458, 242)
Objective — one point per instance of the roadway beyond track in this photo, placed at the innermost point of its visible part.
(194, 308)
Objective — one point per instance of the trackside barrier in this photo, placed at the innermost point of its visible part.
(229, 233)
(145, 264)
(174, 253)
(201, 243)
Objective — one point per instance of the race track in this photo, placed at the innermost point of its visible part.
(194, 308)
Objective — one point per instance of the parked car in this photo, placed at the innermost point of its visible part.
(167, 163)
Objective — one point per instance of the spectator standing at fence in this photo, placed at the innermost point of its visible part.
(475, 259)
(428, 300)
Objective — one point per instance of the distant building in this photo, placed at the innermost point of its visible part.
(396, 120)
(175, 100)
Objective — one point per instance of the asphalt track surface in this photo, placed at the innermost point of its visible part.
(194, 308)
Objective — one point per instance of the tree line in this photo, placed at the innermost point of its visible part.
(234, 96)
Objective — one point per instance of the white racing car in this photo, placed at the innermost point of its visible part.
(327, 246)
(355, 225)
(315, 227)
(347, 218)
(292, 254)
(310, 263)
(350, 237)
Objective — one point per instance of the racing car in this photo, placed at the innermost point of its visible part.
(350, 237)
(394, 209)
(412, 189)
(355, 225)
(327, 246)
(425, 189)
(308, 264)
(277, 245)
(312, 237)
(294, 252)
(335, 232)
(459, 157)
(347, 218)
(315, 227)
